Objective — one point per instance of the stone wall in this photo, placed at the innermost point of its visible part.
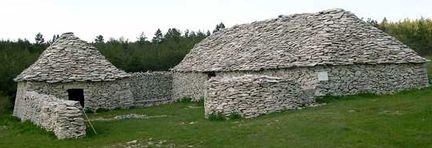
(378, 79)
(151, 88)
(189, 84)
(253, 95)
(351, 79)
(63, 117)
(97, 95)
(142, 89)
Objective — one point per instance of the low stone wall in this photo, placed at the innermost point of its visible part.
(151, 88)
(252, 95)
(189, 84)
(63, 117)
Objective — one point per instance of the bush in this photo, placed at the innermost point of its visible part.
(216, 117)
(234, 116)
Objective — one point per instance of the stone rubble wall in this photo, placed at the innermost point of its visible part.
(140, 90)
(97, 95)
(351, 79)
(253, 95)
(63, 117)
(189, 84)
(151, 88)
(377, 79)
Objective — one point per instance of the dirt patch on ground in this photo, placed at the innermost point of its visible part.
(148, 143)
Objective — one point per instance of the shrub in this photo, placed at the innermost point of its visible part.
(234, 116)
(216, 117)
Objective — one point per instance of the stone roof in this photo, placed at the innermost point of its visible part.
(70, 59)
(330, 37)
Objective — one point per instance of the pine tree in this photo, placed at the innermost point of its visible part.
(54, 38)
(186, 34)
(173, 34)
(219, 26)
(141, 39)
(99, 39)
(372, 22)
(383, 24)
(158, 36)
(39, 38)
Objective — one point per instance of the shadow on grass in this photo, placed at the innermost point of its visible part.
(329, 99)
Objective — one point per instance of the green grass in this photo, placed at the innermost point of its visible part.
(400, 120)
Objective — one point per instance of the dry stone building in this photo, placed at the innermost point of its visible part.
(72, 69)
(331, 52)
(251, 69)
(71, 75)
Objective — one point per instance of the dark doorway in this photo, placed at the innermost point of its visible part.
(76, 95)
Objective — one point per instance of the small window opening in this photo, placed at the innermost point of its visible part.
(211, 74)
(76, 95)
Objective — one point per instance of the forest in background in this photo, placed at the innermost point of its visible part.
(165, 50)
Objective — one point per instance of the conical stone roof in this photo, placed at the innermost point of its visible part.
(330, 37)
(70, 59)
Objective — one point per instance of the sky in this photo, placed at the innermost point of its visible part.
(128, 18)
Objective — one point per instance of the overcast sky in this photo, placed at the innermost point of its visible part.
(127, 18)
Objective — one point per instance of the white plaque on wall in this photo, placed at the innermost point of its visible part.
(322, 76)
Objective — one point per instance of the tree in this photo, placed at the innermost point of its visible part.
(192, 34)
(186, 33)
(383, 24)
(99, 39)
(141, 39)
(372, 22)
(173, 34)
(219, 26)
(200, 35)
(54, 38)
(39, 38)
(158, 36)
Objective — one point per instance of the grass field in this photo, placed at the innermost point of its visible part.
(400, 120)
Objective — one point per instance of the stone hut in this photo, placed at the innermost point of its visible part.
(72, 69)
(331, 52)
